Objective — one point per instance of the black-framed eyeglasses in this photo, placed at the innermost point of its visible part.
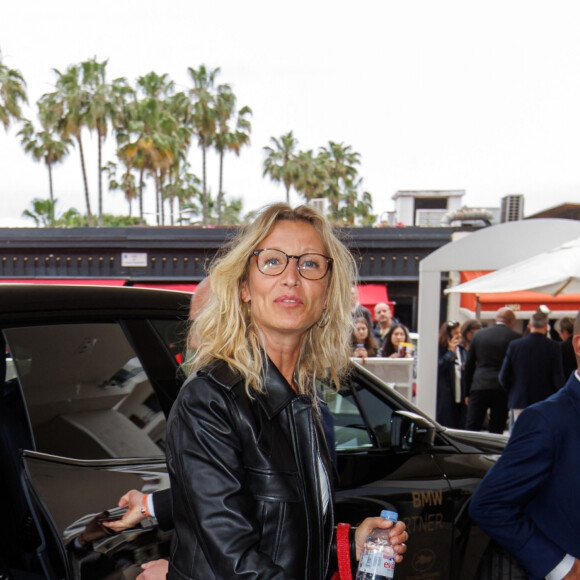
(309, 266)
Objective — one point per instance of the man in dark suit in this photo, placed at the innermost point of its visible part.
(528, 501)
(484, 359)
(532, 368)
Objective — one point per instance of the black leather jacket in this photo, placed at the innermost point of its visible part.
(245, 481)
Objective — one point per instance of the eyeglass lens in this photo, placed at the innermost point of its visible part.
(274, 262)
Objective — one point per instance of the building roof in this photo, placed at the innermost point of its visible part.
(568, 211)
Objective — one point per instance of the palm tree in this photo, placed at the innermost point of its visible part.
(41, 212)
(100, 112)
(44, 145)
(12, 94)
(146, 142)
(231, 213)
(126, 184)
(203, 118)
(280, 163)
(312, 175)
(340, 162)
(356, 208)
(186, 190)
(226, 139)
(180, 140)
(71, 104)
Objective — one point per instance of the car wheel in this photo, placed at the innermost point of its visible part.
(498, 564)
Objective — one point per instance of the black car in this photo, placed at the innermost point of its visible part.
(89, 376)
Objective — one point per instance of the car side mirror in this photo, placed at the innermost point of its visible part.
(411, 433)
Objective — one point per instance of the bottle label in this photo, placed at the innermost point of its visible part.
(377, 564)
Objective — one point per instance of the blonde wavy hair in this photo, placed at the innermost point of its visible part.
(225, 330)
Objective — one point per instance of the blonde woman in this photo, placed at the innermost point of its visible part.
(250, 471)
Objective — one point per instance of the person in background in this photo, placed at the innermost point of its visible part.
(484, 359)
(363, 342)
(246, 427)
(532, 368)
(565, 328)
(397, 335)
(528, 501)
(383, 322)
(468, 329)
(356, 307)
(448, 408)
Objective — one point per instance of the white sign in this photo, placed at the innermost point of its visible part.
(134, 259)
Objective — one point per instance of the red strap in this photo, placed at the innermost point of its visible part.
(343, 552)
(144, 509)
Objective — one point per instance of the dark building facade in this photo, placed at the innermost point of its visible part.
(136, 255)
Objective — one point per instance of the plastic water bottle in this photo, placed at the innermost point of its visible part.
(377, 561)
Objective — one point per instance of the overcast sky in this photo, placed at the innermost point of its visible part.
(481, 96)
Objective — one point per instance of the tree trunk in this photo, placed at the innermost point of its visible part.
(50, 188)
(157, 199)
(141, 220)
(205, 201)
(220, 199)
(100, 145)
(171, 201)
(86, 183)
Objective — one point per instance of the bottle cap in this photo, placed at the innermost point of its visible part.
(389, 515)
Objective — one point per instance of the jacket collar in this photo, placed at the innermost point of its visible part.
(278, 393)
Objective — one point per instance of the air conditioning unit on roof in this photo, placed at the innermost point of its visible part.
(512, 208)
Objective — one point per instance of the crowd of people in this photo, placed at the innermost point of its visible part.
(385, 337)
(487, 376)
(482, 378)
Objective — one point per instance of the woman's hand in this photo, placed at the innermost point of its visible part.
(453, 343)
(361, 352)
(397, 535)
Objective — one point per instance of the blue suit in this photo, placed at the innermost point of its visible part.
(528, 502)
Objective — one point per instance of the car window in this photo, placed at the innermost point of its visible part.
(85, 391)
(362, 420)
(174, 335)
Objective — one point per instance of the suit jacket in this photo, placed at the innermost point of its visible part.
(528, 501)
(532, 370)
(485, 357)
(163, 508)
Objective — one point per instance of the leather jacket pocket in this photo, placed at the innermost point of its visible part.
(266, 485)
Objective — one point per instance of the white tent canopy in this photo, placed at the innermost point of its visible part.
(490, 248)
(554, 272)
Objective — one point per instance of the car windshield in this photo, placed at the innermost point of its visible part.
(362, 420)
